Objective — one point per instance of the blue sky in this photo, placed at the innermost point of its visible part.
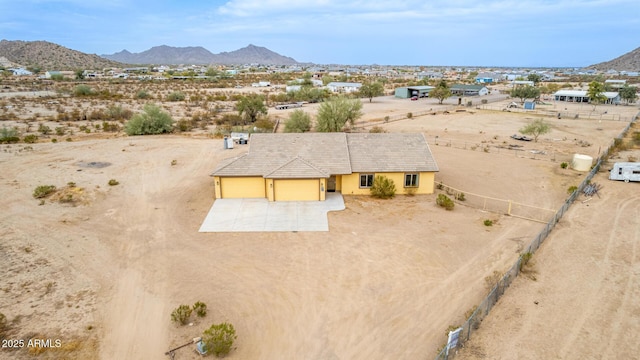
(527, 33)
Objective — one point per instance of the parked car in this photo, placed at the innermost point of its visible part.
(414, 98)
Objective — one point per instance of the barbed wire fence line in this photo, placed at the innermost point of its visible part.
(482, 310)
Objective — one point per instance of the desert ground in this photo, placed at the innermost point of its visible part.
(103, 272)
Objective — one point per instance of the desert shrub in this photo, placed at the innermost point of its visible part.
(484, 101)
(174, 162)
(409, 115)
(44, 129)
(43, 191)
(200, 308)
(184, 125)
(153, 120)
(264, 124)
(181, 314)
(113, 182)
(110, 127)
(298, 122)
(524, 259)
(4, 325)
(377, 130)
(460, 197)
(383, 187)
(30, 139)
(8, 135)
(571, 189)
(564, 165)
(488, 222)
(176, 96)
(83, 90)
(143, 94)
(54, 140)
(219, 338)
(117, 112)
(444, 201)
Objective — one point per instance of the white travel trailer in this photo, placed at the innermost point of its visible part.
(626, 171)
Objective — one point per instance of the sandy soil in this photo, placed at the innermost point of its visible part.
(385, 282)
(582, 300)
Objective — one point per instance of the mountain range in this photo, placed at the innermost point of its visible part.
(627, 62)
(50, 56)
(168, 55)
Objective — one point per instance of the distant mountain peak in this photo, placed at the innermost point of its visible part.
(627, 62)
(164, 54)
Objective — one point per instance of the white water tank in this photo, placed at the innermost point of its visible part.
(582, 162)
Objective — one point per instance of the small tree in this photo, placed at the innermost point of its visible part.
(250, 107)
(371, 90)
(525, 92)
(153, 120)
(440, 93)
(383, 187)
(629, 93)
(298, 122)
(9, 135)
(79, 74)
(219, 338)
(536, 78)
(181, 314)
(536, 128)
(334, 114)
(595, 94)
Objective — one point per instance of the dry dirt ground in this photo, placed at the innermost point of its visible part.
(103, 269)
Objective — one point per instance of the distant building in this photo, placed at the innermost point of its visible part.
(469, 90)
(20, 71)
(343, 87)
(580, 96)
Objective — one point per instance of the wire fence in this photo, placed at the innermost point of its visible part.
(562, 114)
(482, 310)
(492, 148)
(495, 205)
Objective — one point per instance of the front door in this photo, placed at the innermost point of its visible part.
(331, 184)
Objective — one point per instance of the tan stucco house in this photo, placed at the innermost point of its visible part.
(305, 166)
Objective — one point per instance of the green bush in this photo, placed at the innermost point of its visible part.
(43, 191)
(143, 94)
(219, 338)
(200, 308)
(44, 129)
(564, 165)
(181, 314)
(460, 197)
(83, 90)
(383, 187)
(176, 96)
(8, 135)
(30, 139)
(113, 182)
(444, 201)
(488, 222)
(571, 189)
(153, 120)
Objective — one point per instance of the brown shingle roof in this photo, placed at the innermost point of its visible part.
(390, 152)
(319, 155)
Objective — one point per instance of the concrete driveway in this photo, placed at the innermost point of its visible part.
(252, 215)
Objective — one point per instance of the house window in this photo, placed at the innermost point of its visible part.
(410, 180)
(366, 180)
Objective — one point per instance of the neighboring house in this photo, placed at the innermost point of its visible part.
(468, 90)
(261, 84)
(343, 87)
(49, 74)
(487, 78)
(410, 91)
(20, 71)
(614, 83)
(515, 83)
(305, 166)
(581, 96)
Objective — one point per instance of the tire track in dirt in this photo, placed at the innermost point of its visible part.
(594, 301)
